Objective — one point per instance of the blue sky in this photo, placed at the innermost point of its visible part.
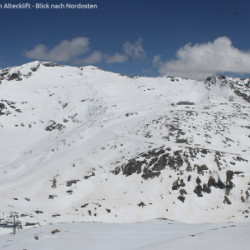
(193, 38)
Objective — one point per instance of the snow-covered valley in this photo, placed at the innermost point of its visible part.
(85, 145)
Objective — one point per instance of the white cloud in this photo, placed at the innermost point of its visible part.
(98, 56)
(93, 58)
(117, 58)
(201, 60)
(134, 50)
(157, 61)
(71, 50)
(63, 52)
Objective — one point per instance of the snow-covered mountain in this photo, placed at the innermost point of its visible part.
(82, 144)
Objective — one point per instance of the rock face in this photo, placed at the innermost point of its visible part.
(240, 87)
(82, 144)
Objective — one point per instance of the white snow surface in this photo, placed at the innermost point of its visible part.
(68, 138)
(147, 235)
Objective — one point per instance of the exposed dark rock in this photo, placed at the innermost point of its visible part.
(55, 231)
(189, 167)
(227, 201)
(52, 196)
(161, 163)
(150, 165)
(4, 73)
(183, 191)
(2, 106)
(54, 125)
(176, 160)
(206, 188)
(243, 95)
(229, 183)
(238, 172)
(204, 151)
(129, 114)
(30, 224)
(185, 103)
(177, 184)
(198, 190)
(217, 159)
(54, 183)
(157, 160)
(69, 183)
(181, 198)
(198, 180)
(182, 141)
(85, 205)
(212, 183)
(116, 171)
(219, 79)
(51, 64)
(201, 169)
(141, 204)
(34, 69)
(238, 158)
(88, 176)
(132, 167)
(154, 160)
(39, 212)
(24, 215)
(247, 193)
(14, 76)
(149, 174)
(55, 215)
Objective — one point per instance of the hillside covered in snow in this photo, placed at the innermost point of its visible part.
(82, 144)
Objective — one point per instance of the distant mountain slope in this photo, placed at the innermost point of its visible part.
(82, 144)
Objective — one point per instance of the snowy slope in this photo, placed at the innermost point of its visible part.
(82, 144)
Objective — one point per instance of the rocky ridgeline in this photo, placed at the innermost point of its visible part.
(16, 74)
(241, 87)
